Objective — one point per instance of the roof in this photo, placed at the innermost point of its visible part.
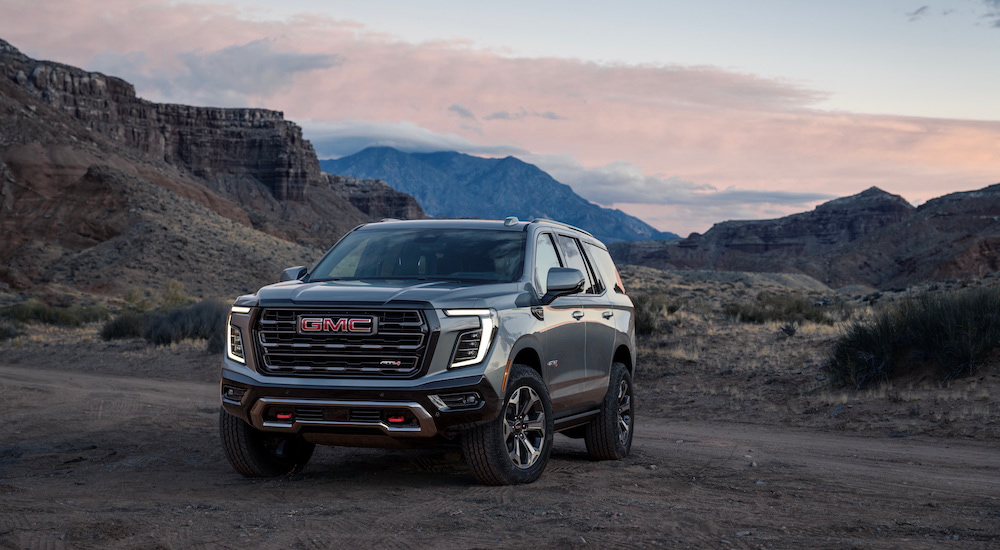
(510, 224)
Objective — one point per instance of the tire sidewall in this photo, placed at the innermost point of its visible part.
(618, 374)
(497, 468)
(601, 435)
(248, 451)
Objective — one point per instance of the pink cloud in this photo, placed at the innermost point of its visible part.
(715, 128)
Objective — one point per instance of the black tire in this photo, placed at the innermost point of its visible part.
(609, 436)
(254, 453)
(514, 448)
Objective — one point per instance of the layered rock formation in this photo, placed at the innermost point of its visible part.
(222, 146)
(374, 196)
(754, 245)
(62, 127)
(872, 238)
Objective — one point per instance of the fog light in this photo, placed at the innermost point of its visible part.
(233, 393)
(456, 401)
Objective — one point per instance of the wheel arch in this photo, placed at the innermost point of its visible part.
(528, 357)
(623, 355)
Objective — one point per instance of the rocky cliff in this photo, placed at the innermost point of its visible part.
(755, 245)
(222, 146)
(62, 129)
(375, 196)
(872, 238)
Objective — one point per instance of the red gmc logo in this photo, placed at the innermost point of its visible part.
(353, 325)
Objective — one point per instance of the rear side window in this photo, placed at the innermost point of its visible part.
(606, 268)
(574, 258)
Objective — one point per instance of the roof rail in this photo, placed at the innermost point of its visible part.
(561, 224)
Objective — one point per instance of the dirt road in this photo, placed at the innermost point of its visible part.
(97, 460)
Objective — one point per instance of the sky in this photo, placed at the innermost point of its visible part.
(681, 113)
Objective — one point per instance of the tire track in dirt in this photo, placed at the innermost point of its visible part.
(861, 463)
(160, 478)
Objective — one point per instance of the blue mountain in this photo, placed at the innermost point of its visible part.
(450, 184)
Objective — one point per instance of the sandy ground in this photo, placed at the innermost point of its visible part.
(116, 446)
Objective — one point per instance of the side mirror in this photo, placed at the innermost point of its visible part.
(562, 281)
(293, 273)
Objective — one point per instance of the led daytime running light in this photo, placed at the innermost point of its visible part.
(234, 345)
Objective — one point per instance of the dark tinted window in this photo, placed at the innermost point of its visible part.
(601, 260)
(452, 254)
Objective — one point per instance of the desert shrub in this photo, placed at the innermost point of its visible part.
(650, 309)
(198, 321)
(647, 313)
(9, 330)
(782, 308)
(952, 331)
(128, 324)
(91, 313)
(173, 295)
(203, 320)
(138, 300)
(33, 311)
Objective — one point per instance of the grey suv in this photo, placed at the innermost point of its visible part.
(496, 334)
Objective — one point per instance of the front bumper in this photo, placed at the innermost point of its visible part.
(369, 416)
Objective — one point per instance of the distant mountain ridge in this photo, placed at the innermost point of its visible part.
(873, 238)
(450, 184)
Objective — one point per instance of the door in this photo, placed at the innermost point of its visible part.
(563, 361)
(598, 319)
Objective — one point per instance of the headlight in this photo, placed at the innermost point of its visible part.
(234, 340)
(234, 345)
(471, 345)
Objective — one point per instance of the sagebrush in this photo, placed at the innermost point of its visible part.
(953, 332)
(33, 311)
(203, 320)
(782, 308)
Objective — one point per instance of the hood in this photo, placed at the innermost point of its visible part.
(377, 293)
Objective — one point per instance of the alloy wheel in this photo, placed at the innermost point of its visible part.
(524, 427)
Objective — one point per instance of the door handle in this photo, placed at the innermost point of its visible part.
(578, 315)
(608, 314)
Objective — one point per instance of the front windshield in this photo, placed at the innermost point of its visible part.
(451, 254)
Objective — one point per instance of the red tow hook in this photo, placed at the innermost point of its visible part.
(284, 415)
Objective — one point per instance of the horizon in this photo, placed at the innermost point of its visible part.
(683, 116)
(875, 187)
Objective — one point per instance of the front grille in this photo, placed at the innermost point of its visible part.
(394, 349)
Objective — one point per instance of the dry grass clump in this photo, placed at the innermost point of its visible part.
(176, 319)
(701, 363)
(34, 311)
(651, 309)
(14, 317)
(951, 331)
(788, 308)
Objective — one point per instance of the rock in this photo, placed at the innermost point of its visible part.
(107, 184)
(873, 238)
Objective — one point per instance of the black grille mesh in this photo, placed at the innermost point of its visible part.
(396, 350)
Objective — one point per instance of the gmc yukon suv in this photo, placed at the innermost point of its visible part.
(496, 334)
